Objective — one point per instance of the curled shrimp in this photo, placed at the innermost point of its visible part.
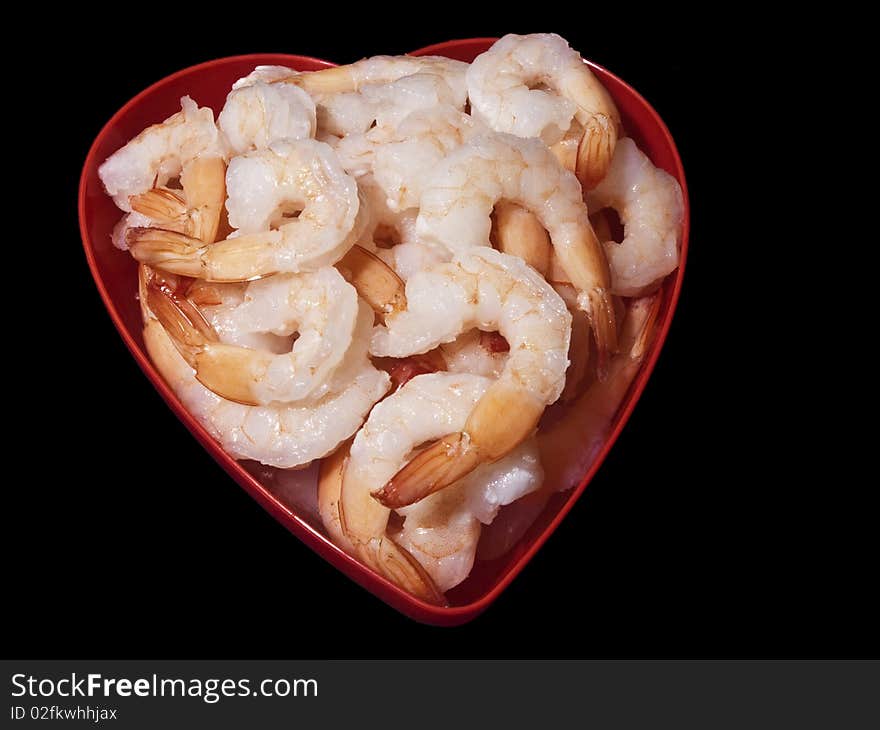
(492, 291)
(457, 204)
(257, 114)
(423, 409)
(159, 153)
(281, 435)
(265, 186)
(649, 203)
(320, 306)
(536, 86)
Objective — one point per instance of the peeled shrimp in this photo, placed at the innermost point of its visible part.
(159, 153)
(649, 202)
(383, 70)
(402, 158)
(442, 530)
(279, 435)
(502, 90)
(258, 114)
(423, 409)
(263, 187)
(457, 203)
(382, 106)
(321, 306)
(493, 291)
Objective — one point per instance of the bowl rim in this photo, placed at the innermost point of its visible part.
(376, 584)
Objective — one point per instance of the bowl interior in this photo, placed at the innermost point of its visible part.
(115, 274)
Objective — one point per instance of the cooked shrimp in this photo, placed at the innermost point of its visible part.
(383, 70)
(258, 114)
(649, 203)
(443, 529)
(279, 435)
(502, 89)
(159, 153)
(321, 306)
(263, 187)
(383, 106)
(489, 290)
(457, 204)
(402, 158)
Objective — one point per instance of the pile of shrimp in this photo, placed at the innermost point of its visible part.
(395, 267)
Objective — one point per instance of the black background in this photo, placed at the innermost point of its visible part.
(698, 537)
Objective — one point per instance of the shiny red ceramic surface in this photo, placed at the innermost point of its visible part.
(115, 275)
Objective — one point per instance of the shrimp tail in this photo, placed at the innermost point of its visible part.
(236, 259)
(595, 150)
(443, 463)
(197, 341)
(398, 565)
(599, 307)
(168, 250)
(375, 281)
(160, 205)
(324, 81)
(646, 333)
(503, 418)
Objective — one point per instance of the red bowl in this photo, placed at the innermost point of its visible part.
(115, 274)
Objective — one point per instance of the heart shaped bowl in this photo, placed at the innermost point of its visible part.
(115, 275)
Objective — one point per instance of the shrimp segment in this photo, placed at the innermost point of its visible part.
(489, 290)
(263, 185)
(649, 202)
(457, 204)
(502, 89)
